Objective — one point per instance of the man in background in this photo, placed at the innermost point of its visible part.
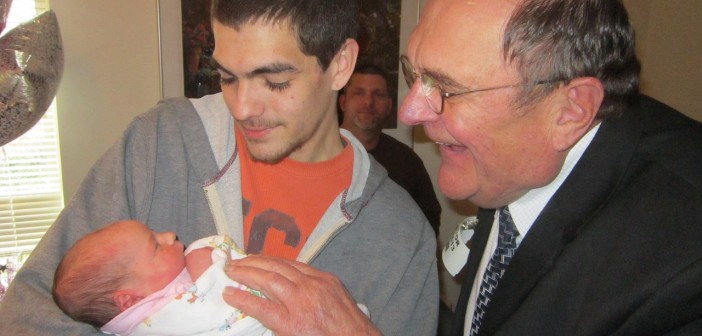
(366, 105)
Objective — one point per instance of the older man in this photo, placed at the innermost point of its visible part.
(590, 193)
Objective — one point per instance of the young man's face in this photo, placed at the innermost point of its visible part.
(282, 101)
(366, 102)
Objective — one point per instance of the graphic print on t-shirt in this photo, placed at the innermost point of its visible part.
(272, 219)
(283, 202)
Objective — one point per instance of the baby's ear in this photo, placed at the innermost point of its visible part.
(124, 299)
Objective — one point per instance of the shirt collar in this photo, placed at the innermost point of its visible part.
(525, 210)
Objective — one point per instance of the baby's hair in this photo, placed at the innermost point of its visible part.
(85, 282)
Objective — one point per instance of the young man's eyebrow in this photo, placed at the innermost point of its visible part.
(220, 67)
(272, 68)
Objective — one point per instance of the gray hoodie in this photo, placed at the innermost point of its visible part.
(176, 169)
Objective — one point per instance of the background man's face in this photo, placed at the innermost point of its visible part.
(366, 103)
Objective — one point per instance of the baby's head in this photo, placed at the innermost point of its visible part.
(113, 268)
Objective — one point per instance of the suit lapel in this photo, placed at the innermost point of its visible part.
(595, 177)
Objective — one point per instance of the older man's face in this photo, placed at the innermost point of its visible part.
(491, 153)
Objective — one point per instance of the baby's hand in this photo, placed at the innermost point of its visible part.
(197, 261)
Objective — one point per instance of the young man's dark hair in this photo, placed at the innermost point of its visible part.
(322, 26)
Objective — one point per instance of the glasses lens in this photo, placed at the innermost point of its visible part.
(429, 89)
(407, 71)
(431, 92)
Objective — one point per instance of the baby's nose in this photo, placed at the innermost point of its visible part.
(167, 237)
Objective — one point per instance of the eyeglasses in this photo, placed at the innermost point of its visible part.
(433, 92)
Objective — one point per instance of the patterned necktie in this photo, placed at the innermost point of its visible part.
(506, 246)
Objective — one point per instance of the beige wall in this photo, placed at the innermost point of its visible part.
(669, 44)
(112, 74)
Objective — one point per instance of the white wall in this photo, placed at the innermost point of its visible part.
(112, 74)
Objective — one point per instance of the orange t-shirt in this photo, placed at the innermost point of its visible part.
(283, 202)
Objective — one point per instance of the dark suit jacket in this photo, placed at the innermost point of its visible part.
(618, 249)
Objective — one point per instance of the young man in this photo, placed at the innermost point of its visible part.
(366, 106)
(264, 163)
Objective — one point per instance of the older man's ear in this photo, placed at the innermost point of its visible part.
(577, 115)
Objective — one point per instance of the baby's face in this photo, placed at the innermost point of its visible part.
(157, 257)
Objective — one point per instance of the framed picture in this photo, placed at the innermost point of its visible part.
(186, 45)
(379, 42)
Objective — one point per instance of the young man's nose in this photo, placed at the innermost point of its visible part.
(245, 104)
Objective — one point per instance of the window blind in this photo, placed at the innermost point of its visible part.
(31, 193)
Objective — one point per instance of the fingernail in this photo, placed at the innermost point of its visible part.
(228, 290)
